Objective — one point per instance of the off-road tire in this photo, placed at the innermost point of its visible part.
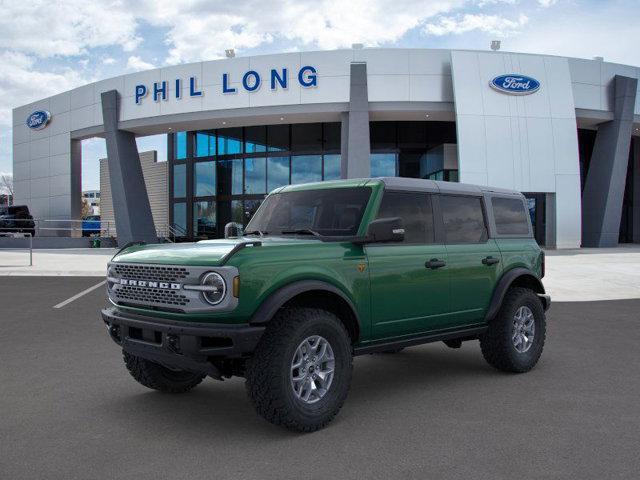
(157, 377)
(496, 343)
(268, 380)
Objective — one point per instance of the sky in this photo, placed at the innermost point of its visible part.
(48, 47)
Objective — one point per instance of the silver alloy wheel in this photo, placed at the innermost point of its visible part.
(312, 369)
(524, 329)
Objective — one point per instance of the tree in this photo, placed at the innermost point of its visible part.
(6, 186)
(6, 183)
(86, 208)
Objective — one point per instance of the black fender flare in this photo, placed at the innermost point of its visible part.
(277, 299)
(506, 281)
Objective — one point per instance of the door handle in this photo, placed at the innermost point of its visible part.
(490, 260)
(434, 263)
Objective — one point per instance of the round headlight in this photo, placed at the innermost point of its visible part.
(216, 288)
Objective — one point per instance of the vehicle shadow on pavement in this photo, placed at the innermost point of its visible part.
(223, 408)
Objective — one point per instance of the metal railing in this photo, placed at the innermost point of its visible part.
(51, 228)
(171, 232)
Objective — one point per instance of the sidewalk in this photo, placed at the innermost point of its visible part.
(571, 275)
(90, 262)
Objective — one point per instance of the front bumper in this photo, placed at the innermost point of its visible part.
(187, 346)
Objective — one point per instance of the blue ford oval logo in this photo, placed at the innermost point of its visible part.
(515, 84)
(38, 119)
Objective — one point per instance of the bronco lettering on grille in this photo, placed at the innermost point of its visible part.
(149, 284)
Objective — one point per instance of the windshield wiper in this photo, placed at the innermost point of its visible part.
(256, 232)
(301, 231)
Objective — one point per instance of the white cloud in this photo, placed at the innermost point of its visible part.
(324, 24)
(491, 24)
(135, 63)
(547, 3)
(20, 83)
(108, 61)
(46, 28)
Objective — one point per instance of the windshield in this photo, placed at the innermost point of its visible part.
(327, 212)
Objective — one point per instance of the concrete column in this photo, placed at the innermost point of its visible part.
(355, 158)
(131, 207)
(604, 188)
(636, 190)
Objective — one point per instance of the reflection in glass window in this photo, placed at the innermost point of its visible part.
(306, 168)
(236, 177)
(255, 139)
(180, 180)
(229, 141)
(383, 164)
(332, 167)
(204, 179)
(278, 137)
(180, 146)
(180, 217)
(463, 219)
(277, 172)
(205, 144)
(415, 211)
(237, 211)
(204, 219)
(255, 175)
(230, 177)
(510, 216)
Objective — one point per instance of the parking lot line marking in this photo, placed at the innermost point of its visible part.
(77, 296)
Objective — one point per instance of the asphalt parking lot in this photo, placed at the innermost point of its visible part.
(69, 409)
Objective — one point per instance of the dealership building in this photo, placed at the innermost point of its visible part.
(564, 131)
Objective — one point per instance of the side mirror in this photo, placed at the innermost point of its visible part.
(385, 230)
(233, 230)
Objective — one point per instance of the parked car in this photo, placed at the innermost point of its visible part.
(17, 219)
(91, 225)
(326, 271)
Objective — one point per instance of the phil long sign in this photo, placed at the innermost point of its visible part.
(515, 84)
(250, 81)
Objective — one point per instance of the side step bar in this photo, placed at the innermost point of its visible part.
(464, 334)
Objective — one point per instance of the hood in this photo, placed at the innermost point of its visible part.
(205, 252)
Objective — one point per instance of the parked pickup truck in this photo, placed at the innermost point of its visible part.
(326, 271)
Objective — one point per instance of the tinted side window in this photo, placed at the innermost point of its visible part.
(415, 211)
(463, 219)
(510, 216)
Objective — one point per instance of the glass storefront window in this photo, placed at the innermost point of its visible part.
(332, 165)
(255, 139)
(204, 179)
(306, 168)
(306, 137)
(332, 134)
(229, 141)
(180, 180)
(255, 175)
(180, 217)
(383, 164)
(278, 137)
(205, 144)
(237, 211)
(204, 219)
(277, 172)
(180, 146)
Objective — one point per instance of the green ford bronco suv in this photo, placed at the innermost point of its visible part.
(326, 271)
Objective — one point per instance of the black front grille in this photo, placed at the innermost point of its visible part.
(151, 272)
(151, 295)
